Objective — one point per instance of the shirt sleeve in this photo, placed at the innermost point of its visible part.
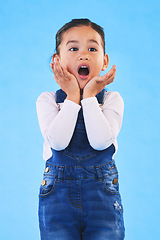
(103, 123)
(57, 126)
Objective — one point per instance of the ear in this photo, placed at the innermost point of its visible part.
(55, 56)
(105, 62)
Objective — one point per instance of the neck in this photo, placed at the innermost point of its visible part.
(81, 92)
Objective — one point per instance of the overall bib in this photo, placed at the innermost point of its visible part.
(79, 196)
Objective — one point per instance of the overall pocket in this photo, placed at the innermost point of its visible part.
(110, 181)
(48, 186)
(79, 147)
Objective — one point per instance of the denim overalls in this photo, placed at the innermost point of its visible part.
(79, 195)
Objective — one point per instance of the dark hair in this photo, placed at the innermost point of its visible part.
(76, 23)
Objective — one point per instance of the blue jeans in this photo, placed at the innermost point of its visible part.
(79, 196)
(80, 203)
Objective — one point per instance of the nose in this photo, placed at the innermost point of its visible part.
(83, 58)
(83, 55)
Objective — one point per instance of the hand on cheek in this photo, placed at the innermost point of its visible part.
(67, 81)
(97, 84)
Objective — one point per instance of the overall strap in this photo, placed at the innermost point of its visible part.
(100, 96)
(61, 96)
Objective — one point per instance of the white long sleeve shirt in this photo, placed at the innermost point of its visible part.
(57, 121)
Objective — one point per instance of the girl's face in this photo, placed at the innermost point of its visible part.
(82, 53)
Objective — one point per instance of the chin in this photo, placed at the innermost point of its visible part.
(81, 88)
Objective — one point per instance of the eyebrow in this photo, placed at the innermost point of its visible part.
(71, 41)
(75, 41)
(92, 40)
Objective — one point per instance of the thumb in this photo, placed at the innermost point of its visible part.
(51, 65)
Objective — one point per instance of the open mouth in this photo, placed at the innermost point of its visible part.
(83, 71)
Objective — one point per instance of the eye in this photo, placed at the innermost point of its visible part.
(73, 49)
(92, 49)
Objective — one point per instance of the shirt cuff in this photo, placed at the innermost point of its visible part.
(71, 105)
(88, 101)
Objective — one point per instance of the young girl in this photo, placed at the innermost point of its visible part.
(79, 195)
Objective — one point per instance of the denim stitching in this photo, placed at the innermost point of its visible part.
(79, 157)
(51, 192)
(78, 205)
(63, 166)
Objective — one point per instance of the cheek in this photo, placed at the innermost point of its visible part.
(65, 61)
(99, 62)
(68, 64)
(98, 67)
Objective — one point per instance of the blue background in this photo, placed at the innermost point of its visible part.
(27, 41)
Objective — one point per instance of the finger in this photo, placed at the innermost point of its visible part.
(66, 73)
(56, 74)
(51, 65)
(110, 79)
(108, 75)
(112, 75)
(58, 69)
(111, 71)
(105, 80)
